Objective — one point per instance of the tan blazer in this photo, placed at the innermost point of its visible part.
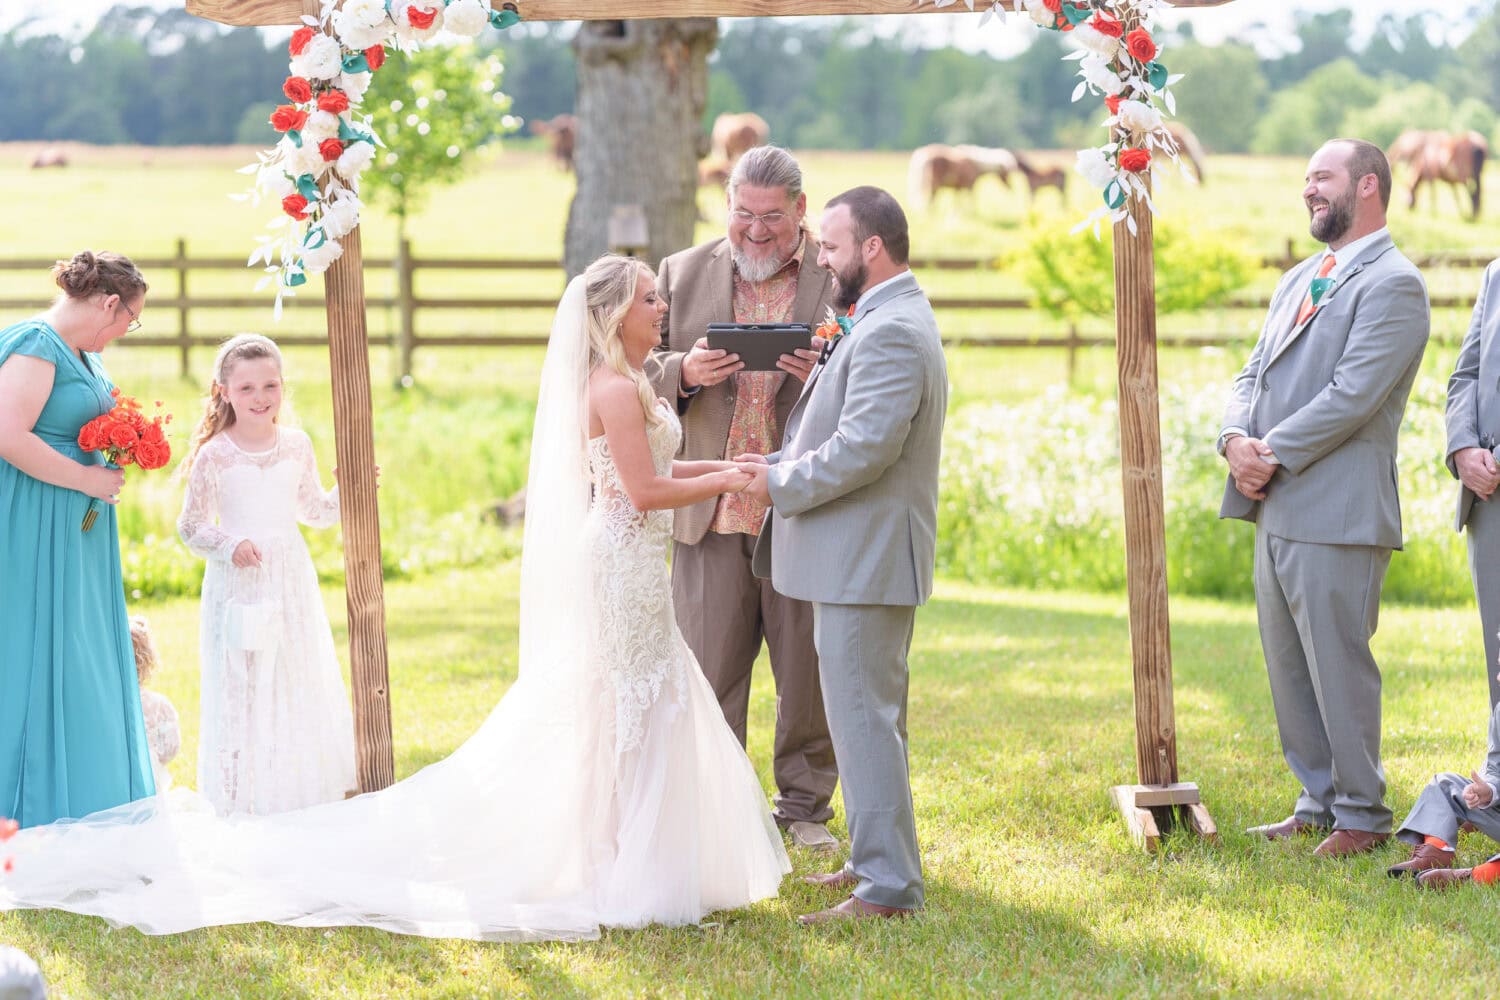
(698, 286)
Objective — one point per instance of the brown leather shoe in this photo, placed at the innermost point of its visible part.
(1289, 827)
(852, 908)
(841, 879)
(1347, 843)
(1423, 858)
(1467, 827)
(1443, 878)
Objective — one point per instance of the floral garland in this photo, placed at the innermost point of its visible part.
(327, 140)
(1123, 68)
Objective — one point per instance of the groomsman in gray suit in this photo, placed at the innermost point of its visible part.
(1473, 433)
(853, 529)
(1310, 438)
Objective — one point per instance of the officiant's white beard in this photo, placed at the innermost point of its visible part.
(758, 269)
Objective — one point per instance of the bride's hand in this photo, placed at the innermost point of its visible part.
(735, 480)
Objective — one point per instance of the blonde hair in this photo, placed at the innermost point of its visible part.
(145, 648)
(218, 415)
(609, 292)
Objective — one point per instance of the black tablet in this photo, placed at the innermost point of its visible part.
(759, 345)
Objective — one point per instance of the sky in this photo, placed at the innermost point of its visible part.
(1212, 25)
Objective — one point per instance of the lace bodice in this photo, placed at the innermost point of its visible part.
(638, 641)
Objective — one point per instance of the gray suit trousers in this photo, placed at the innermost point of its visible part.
(1318, 606)
(1483, 529)
(862, 659)
(723, 610)
(1440, 809)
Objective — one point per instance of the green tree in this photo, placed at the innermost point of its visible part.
(1223, 95)
(1303, 116)
(432, 109)
(1400, 108)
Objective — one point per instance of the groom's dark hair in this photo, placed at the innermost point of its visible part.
(876, 213)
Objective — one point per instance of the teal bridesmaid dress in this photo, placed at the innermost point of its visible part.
(72, 738)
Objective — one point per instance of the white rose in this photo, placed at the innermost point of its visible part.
(370, 13)
(275, 183)
(355, 85)
(322, 59)
(341, 215)
(1138, 116)
(316, 261)
(1095, 167)
(320, 125)
(306, 160)
(1095, 40)
(357, 35)
(1099, 74)
(1040, 14)
(466, 18)
(355, 159)
(404, 29)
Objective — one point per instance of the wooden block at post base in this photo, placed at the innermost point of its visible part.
(1179, 793)
(1135, 803)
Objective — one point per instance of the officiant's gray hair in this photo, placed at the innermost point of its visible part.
(767, 167)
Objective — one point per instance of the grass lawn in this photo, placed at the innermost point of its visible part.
(1020, 720)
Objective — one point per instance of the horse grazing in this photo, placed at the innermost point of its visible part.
(1038, 178)
(1189, 149)
(954, 167)
(735, 134)
(561, 133)
(50, 156)
(1455, 157)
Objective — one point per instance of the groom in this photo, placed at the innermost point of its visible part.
(853, 530)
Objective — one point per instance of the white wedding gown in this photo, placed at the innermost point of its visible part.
(604, 790)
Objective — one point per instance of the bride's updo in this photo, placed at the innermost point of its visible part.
(609, 291)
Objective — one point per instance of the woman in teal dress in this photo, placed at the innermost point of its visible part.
(72, 740)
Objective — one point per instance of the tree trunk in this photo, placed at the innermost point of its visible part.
(642, 87)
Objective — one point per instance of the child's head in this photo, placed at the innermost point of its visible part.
(145, 649)
(246, 387)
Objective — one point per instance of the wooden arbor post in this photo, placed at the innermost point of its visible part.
(1158, 796)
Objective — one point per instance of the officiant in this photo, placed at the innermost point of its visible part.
(764, 270)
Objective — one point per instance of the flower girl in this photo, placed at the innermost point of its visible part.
(277, 731)
(162, 733)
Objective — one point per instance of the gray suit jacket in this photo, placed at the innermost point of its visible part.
(1474, 387)
(698, 286)
(855, 488)
(1328, 396)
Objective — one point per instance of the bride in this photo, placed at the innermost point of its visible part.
(605, 789)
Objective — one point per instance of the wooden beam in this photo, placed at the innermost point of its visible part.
(259, 12)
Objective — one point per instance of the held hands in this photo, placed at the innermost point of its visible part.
(734, 479)
(702, 366)
(1247, 464)
(246, 554)
(103, 483)
(1477, 793)
(1477, 469)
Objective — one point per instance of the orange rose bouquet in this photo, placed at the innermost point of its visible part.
(126, 436)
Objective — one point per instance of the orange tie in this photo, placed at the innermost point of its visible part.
(1308, 308)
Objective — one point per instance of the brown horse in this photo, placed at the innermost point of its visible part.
(1455, 157)
(1042, 177)
(561, 133)
(736, 134)
(1189, 149)
(954, 167)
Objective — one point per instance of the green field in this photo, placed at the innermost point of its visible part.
(1021, 698)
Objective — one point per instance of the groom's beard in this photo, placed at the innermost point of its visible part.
(757, 269)
(851, 284)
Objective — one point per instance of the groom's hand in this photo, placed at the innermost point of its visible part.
(758, 487)
(748, 457)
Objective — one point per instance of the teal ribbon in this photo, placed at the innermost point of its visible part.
(356, 62)
(307, 187)
(295, 136)
(1156, 75)
(1320, 287)
(315, 231)
(1114, 194)
(1077, 13)
(504, 19)
(348, 133)
(293, 280)
(846, 323)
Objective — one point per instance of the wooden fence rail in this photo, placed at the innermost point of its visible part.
(406, 303)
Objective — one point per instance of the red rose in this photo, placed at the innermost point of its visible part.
(295, 205)
(375, 56)
(1135, 160)
(122, 436)
(152, 454)
(297, 89)
(1112, 102)
(287, 118)
(1141, 47)
(422, 19)
(91, 435)
(1055, 6)
(331, 149)
(1106, 25)
(299, 41)
(334, 101)
(153, 433)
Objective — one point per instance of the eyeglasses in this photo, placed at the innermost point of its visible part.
(770, 220)
(135, 321)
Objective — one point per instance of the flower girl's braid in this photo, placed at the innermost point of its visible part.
(609, 292)
(218, 415)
